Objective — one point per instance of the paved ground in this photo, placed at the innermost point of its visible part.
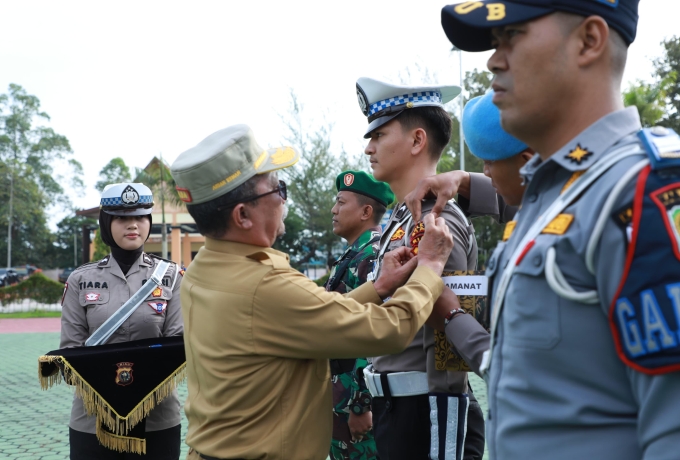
(35, 422)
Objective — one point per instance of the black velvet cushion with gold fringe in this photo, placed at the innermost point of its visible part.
(120, 383)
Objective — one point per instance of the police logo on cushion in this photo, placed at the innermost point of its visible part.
(124, 374)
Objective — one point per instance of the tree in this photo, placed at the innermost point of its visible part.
(667, 70)
(311, 183)
(115, 171)
(487, 231)
(68, 241)
(28, 154)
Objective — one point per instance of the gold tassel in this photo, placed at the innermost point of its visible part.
(120, 443)
(95, 404)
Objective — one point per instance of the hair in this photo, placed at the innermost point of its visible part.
(435, 121)
(379, 209)
(213, 218)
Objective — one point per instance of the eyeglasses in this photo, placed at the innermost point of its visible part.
(281, 190)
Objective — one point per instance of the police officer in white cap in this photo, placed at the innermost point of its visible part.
(96, 290)
(422, 407)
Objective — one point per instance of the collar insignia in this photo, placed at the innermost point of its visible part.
(124, 374)
(147, 259)
(509, 228)
(578, 155)
(104, 261)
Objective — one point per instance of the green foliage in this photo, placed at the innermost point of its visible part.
(311, 184)
(63, 250)
(650, 100)
(114, 172)
(100, 249)
(667, 70)
(28, 154)
(487, 231)
(36, 287)
(157, 177)
(321, 281)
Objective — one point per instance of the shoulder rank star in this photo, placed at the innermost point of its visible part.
(578, 155)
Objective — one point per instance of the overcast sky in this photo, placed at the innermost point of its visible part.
(136, 79)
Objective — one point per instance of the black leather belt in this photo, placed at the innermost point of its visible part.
(341, 366)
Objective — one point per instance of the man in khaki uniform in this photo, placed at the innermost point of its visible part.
(258, 334)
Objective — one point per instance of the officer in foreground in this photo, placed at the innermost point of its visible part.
(585, 350)
(359, 206)
(259, 333)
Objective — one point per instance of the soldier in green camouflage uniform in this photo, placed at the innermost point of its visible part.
(360, 204)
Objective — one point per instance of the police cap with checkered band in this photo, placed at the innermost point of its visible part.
(126, 199)
(468, 25)
(381, 102)
(223, 161)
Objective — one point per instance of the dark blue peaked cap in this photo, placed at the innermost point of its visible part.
(468, 24)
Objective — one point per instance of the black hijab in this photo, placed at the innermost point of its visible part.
(124, 257)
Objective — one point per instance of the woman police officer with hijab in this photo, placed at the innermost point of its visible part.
(96, 290)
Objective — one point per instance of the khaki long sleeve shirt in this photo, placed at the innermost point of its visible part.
(258, 335)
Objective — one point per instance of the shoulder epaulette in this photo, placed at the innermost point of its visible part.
(160, 258)
(662, 145)
(87, 265)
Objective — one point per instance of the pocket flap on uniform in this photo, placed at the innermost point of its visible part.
(494, 260)
(93, 297)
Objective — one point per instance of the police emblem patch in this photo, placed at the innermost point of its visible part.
(417, 235)
(363, 100)
(158, 307)
(124, 374)
(348, 179)
(90, 296)
(157, 292)
(129, 197)
(399, 234)
(668, 201)
(578, 155)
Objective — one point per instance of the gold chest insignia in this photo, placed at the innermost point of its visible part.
(399, 234)
(124, 374)
(157, 292)
(509, 228)
(559, 225)
(578, 155)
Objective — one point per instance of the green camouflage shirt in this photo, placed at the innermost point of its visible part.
(362, 254)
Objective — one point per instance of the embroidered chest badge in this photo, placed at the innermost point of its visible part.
(124, 374)
(157, 292)
(578, 155)
(399, 234)
(417, 235)
(92, 296)
(158, 307)
(667, 200)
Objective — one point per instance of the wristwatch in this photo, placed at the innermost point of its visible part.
(361, 403)
(453, 313)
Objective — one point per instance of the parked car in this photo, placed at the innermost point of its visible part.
(8, 277)
(63, 276)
